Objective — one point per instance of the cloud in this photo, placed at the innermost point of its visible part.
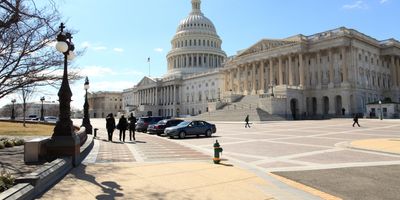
(356, 5)
(383, 1)
(119, 50)
(85, 44)
(159, 50)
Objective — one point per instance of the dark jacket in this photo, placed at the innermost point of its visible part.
(122, 123)
(247, 119)
(132, 121)
(110, 123)
(355, 119)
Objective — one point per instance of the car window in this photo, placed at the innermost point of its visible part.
(174, 123)
(201, 123)
(162, 122)
(184, 123)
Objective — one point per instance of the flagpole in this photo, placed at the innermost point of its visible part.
(148, 60)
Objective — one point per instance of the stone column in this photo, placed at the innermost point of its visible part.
(345, 71)
(301, 70)
(271, 72)
(393, 72)
(246, 80)
(261, 79)
(174, 94)
(319, 66)
(280, 70)
(239, 78)
(156, 96)
(331, 70)
(253, 76)
(398, 71)
(290, 70)
(231, 80)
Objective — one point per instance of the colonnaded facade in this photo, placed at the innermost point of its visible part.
(326, 74)
(193, 77)
(330, 73)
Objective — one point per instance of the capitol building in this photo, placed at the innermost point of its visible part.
(333, 73)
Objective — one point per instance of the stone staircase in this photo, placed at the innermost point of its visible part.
(237, 111)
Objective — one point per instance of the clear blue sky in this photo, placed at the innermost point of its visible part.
(120, 35)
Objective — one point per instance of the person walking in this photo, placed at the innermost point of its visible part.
(110, 126)
(247, 122)
(132, 126)
(355, 119)
(122, 126)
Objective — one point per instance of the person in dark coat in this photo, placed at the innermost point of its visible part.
(247, 122)
(122, 126)
(355, 119)
(132, 121)
(110, 126)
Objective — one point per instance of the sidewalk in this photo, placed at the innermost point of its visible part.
(385, 145)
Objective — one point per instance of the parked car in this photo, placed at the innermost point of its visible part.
(143, 123)
(160, 126)
(33, 117)
(51, 119)
(194, 127)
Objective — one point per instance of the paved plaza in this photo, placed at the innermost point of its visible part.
(318, 155)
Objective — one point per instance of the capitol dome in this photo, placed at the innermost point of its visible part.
(196, 46)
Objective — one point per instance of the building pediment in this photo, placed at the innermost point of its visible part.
(265, 45)
(145, 82)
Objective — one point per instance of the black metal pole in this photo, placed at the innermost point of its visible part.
(13, 111)
(86, 120)
(64, 125)
(41, 112)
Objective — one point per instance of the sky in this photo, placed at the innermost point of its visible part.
(119, 36)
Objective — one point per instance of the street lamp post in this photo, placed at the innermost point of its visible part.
(13, 110)
(380, 108)
(64, 141)
(86, 120)
(41, 110)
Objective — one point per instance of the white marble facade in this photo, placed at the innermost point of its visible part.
(318, 75)
(192, 78)
(315, 75)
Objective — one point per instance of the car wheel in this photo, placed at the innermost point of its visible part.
(208, 133)
(182, 135)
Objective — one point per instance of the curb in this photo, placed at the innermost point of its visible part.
(36, 183)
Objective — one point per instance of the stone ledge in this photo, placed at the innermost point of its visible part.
(39, 181)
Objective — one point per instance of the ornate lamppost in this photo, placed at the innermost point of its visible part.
(41, 110)
(64, 141)
(86, 120)
(13, 110)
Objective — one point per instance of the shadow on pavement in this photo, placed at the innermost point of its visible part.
(110, 188)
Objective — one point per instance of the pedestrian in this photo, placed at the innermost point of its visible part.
(110, 126)
(132, 126)
(122, 126)
(247, 122)
(355, 119)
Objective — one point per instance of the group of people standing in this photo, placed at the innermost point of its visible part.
(123, 125)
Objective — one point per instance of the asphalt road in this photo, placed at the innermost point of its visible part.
(366, 183)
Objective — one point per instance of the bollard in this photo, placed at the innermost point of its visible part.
(95, 132)
(217, 151)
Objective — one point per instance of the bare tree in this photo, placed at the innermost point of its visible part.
(26, 94)
(26, 54)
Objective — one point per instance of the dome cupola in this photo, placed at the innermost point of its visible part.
(196, 45)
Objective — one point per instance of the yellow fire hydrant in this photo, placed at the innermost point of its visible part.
(217, 150)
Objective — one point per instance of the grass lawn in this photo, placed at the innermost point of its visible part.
(17, 129)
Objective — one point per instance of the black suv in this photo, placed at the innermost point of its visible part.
(144, 122)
